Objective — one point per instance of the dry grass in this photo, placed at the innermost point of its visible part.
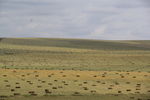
(64, 54)
(47, 67)
(84, 84)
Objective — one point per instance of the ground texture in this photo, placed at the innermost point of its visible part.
(69, 69)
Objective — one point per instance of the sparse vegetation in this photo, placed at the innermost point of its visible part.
(48, 67)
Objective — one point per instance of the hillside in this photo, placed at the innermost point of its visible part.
(70, 69)
(74, 54)
(80, 43)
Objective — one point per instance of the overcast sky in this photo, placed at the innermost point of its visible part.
(92, 19)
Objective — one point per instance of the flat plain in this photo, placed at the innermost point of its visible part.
(70, 69)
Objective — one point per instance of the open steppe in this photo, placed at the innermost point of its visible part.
(70, 69)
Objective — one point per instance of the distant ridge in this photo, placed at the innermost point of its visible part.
(81, 43)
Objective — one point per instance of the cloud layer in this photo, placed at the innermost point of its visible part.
(93, 19)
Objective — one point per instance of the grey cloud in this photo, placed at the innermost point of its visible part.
(127, 4)
(99, 19)
(146, 2)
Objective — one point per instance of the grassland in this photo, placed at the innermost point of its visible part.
(70, 69)
(75, 54)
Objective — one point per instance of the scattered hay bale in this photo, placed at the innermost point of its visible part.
(47, 91)
(93, 91)
(28, 81)
(138, 89)
(52, 74)
(98, 81)
(7, 85)
(3, 97)
(17, 87)
(32, 93)
(54, 87)
(36, 75)
(50, 84)
(35, 71)
(127, 73)
(145, 75)
(137, 92)
(77, 75)
(85, 82)
(23, 75)
(110, 88)
(103, 76)
(134, 77)
(66, 84)
(43, 81)
(39, 86)
(55, 80)
(17, 94)
(138, 84)
(17, 83)
(116, 83)
(12, 90)
(119, 91)
(63, 81)
(127, 82)
(128, 90)
(103, 83)
(85, 88)
(5, 80)
(49, 75)
(94, 85)
(76, 93)
(111, 85)
(14, 71)
(95, 76)
(63, 75)
(148, 91)
(4, 75)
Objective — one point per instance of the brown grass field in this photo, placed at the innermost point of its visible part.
(69, 69)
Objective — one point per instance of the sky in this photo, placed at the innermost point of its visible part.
(89, 19)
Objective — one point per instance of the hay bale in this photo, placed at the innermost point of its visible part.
(54, 87)
(128, 90)
(17, 87)
(12, 90)
(17, 94)
(119, 91)
(7, 85)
